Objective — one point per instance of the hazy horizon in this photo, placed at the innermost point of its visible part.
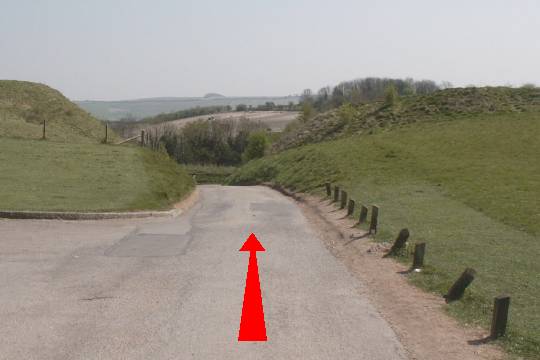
(140, 49)
(165, 98)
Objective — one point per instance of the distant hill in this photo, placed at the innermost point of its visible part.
(142, 108)
(441, 105)
(24, 106)
(213, 95)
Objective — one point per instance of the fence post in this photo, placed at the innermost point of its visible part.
(142, 137)
(328, 189)
(374, 219)
(363, 214)
(401, 239)
(336, 193)
(343, 199)
(44, 135)
(500, 316)
(350, 207)
(106, 132)
(458, 288)
(419, 252)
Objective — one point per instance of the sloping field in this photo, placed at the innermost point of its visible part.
(468, 187)
(142, 108)
(274, 120)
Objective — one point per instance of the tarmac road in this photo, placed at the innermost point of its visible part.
(173, 288)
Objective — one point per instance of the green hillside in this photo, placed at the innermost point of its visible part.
(52, 176)
(25, 105)
(460, 169)
(72, 171)
(442, 105)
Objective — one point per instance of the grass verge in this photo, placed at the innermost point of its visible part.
(50, 176)
(469, 188)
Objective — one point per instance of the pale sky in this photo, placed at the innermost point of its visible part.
(123, 49)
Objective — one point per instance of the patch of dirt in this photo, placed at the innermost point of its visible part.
(417, 317)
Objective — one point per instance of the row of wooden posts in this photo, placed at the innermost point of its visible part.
(501, 303)
(150, 140)
(147, 138)
(341, 197)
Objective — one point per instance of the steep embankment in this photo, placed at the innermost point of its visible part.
(25, 105)
(442, 105)
(467, 183)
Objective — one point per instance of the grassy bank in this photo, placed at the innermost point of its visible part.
(210, 174)
(44, 175)
(468, 187)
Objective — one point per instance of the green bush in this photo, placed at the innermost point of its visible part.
(391, 95)
(256, 146)
(211, 142)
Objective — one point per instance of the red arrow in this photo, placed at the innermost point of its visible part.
(252, 326)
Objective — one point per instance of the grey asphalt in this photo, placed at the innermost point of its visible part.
(173, 288)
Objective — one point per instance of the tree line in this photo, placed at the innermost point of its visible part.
(364, 90)
(269, 106)
(215, 142)
(187, 113)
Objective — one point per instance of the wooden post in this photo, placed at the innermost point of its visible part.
(374, 219)
(343, 199)
(106, 132)
(44, 134)
(401, 239)
(500, 316)
(363, 215)
(419, 252)
(350, 207)
(142, 137)
(336, 193)
(328, 189)
(458, 289)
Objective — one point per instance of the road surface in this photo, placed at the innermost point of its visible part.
(173, 288)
